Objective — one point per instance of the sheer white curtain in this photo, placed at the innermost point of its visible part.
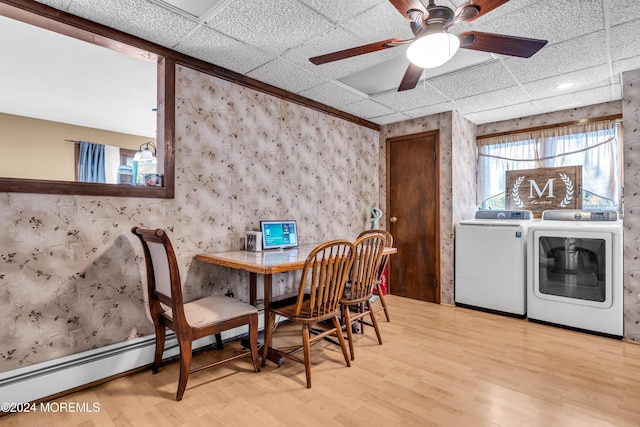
(111, 163)
(594, 146)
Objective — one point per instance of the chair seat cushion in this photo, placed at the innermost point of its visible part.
(214, 309)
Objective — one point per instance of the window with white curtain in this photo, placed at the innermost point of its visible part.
(594, 146)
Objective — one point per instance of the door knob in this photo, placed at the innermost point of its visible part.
(393, 219)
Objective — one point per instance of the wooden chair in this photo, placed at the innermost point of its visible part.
(324, 275)
(359, 291)
(192, 320)
(383, 266)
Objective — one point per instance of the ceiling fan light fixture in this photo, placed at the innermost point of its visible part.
(433, 50)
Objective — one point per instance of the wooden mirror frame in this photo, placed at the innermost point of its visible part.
(43, 16)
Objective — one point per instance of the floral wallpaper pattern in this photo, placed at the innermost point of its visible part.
(72, 273)
(631, 124)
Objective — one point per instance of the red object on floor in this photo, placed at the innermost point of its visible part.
(383, 283)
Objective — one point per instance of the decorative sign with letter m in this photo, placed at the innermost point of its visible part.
(543, 189)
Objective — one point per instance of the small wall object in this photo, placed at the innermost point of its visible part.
(153, 180)
(254, 241)
(542, 189)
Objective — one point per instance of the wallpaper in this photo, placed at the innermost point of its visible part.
(71, 271)
(631, 124)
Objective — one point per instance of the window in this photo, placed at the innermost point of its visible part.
(594, 146)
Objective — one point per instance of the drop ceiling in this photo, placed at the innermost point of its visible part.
(591, 43)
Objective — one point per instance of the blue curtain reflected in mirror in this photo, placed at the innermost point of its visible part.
(91, 164)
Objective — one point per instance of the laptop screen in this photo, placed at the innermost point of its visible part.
(279, 234)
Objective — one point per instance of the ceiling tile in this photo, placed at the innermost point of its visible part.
(623, 11)
(431, 109)
(379, 23)
(626, 65)
(473, 81)
(494, 99)
(390, 118)
(504, 113)
(572, 55)
(272, 24)
(195, 8)
(380, 78)
(590, 96)
(423, 95)
(581, 80)
(546, 20)
(366, 109)
(624, 38)
(125, 16)
(340, 10)
(332, 94)
(286, 75)
(211, 46)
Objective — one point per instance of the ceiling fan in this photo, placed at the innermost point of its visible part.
(432, 45)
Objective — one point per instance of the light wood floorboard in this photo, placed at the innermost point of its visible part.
(439, 366)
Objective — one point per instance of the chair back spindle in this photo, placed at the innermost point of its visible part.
(324, 274)
(358, 294)
(322, 283)
(378, 286)
(366, 265)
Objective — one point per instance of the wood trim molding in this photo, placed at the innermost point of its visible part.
(556, 125)
(64, 23)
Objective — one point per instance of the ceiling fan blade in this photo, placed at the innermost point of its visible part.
(404, 6)
(482, 6)
(497, 43)
(411, 77)
(355, 51)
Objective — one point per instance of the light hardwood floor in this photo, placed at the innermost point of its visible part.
(439, 366)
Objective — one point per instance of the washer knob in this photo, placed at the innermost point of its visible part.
(501, 215)
(577, 216)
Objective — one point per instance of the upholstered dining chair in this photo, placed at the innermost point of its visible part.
(324, 275)
(383, 265)
(192, 320)
(359, 290)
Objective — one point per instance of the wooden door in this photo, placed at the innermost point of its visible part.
(413, 216)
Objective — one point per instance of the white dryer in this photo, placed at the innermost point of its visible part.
(575, 271)
(490, 261)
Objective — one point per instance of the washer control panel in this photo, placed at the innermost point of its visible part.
(579, 215)
(506, 215)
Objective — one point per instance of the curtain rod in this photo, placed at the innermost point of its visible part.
(577, 122)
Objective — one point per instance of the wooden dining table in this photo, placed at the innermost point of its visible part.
(266, 264)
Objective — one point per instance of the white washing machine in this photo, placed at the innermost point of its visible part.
(490, 261)
(575, 271)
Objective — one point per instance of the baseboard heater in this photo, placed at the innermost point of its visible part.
(41, 380)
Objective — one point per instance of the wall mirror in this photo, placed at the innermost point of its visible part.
(66, 80)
